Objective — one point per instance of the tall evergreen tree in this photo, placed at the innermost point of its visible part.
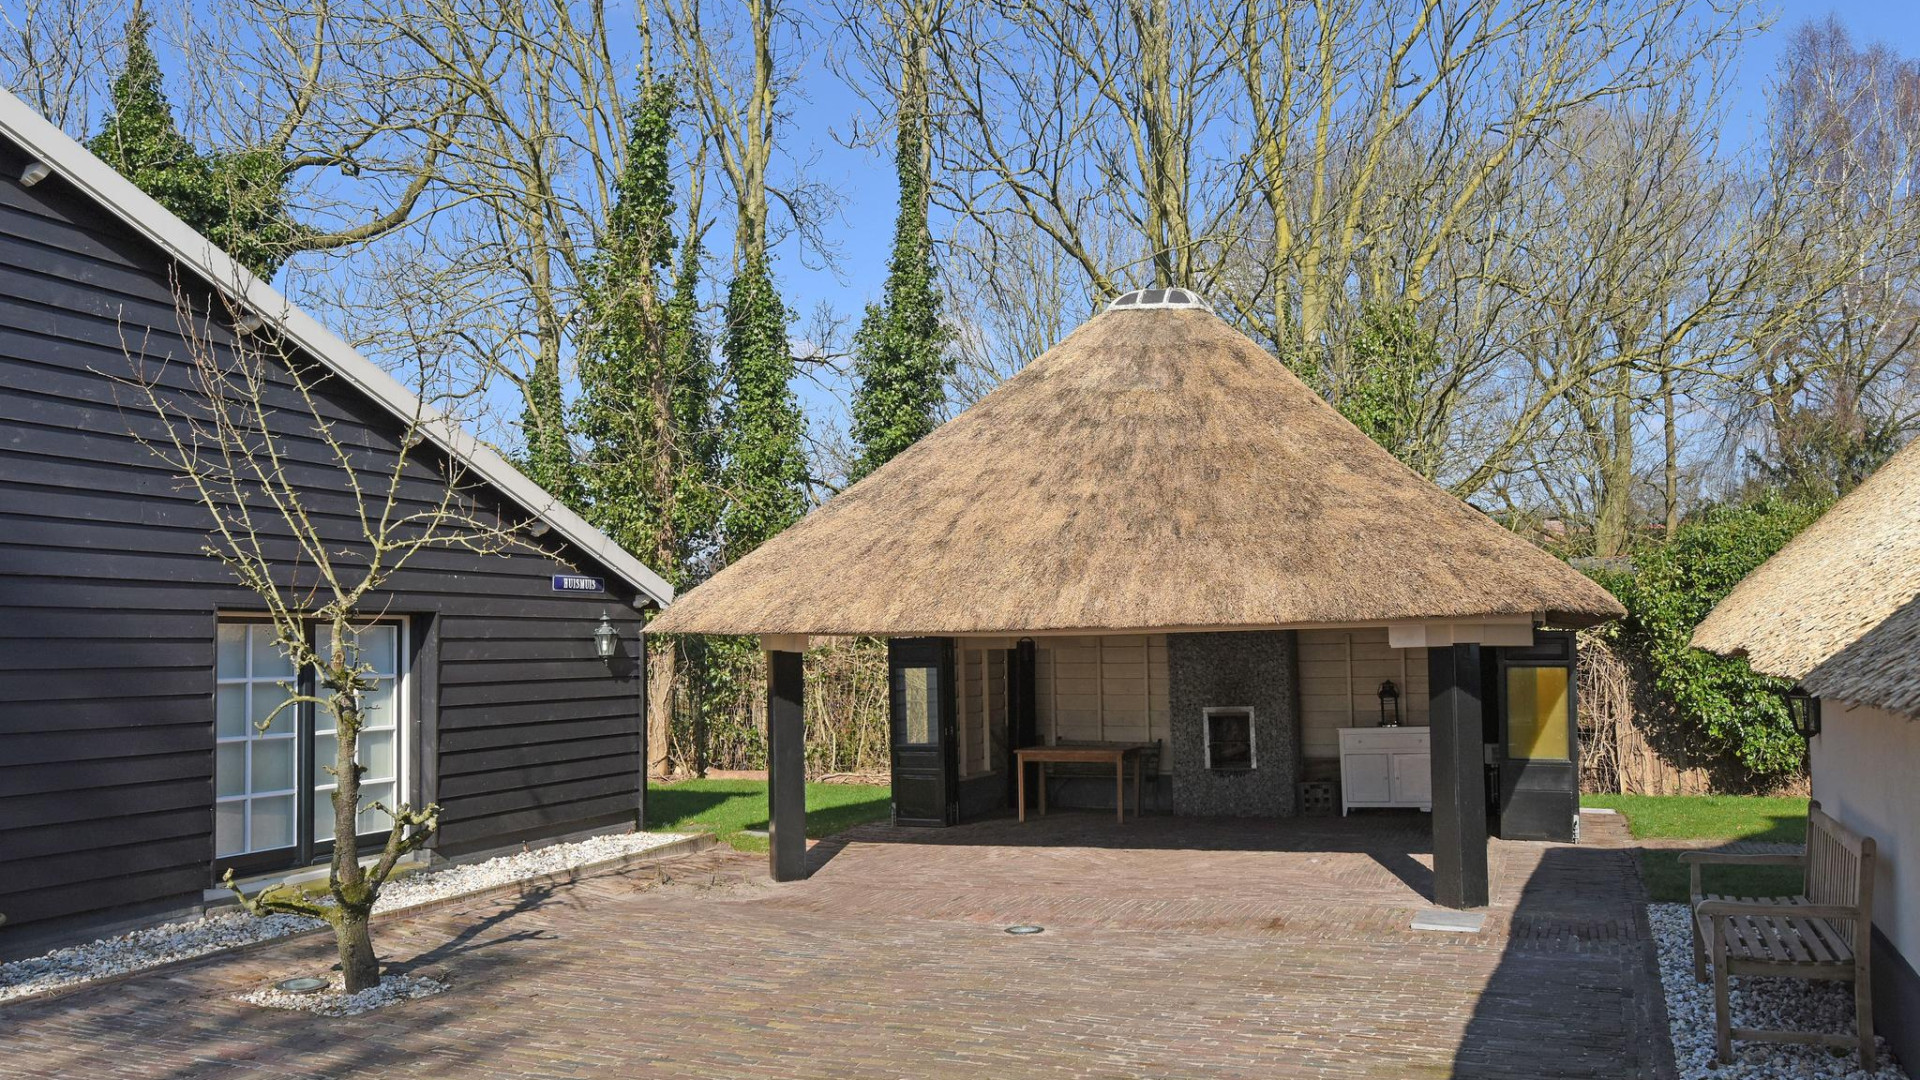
(761, 434)
(647, 382)
(236, 198)
(646, 378)
(900, 354)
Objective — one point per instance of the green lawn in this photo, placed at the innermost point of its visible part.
(725, 807)
(1711, 817)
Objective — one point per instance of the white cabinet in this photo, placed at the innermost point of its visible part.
(1385, 767)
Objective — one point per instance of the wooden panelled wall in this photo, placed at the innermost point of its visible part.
(1340, 676)
(108, 605)
(982, 705)
(1114, 689)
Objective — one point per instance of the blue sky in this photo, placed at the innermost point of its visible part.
(865, 177)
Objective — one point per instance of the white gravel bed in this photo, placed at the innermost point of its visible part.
(1801, 1004)
(230, 928)
(335, 1001)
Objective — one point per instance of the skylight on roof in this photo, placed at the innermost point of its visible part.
(1160, 298)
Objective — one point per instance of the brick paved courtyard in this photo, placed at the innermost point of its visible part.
(1173, 948)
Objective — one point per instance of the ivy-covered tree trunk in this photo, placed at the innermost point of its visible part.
(647, 384)
(235, 198)
(900, 355)
(765, 472)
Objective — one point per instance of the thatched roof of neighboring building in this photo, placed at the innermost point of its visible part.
(1834, 607)
(1882, 668)
(1155, 470)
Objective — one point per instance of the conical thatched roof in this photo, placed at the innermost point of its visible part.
(1156, 470)
(1832, 599)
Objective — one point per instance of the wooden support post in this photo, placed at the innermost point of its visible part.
(786, 766)
(1459, 776)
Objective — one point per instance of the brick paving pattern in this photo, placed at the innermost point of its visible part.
(1173, 948)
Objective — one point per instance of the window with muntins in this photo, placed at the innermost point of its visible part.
(273, 788)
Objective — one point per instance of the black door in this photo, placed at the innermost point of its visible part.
(926, 789)
(1539, 747)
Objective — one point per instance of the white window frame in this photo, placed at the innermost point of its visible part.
(249, 737)
(306, 774)
(1253, 737)
(402, 735)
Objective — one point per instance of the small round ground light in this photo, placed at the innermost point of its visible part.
(303, 985)
(1025, 928)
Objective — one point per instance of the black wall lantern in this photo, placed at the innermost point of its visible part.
(605, 638)
(1804, 708)
(1389, 704)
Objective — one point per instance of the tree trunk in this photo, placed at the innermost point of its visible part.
(660, 670)
(354, 939)
(1670, 435)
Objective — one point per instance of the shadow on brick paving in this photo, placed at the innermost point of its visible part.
(1576, 993)
(184, 1024)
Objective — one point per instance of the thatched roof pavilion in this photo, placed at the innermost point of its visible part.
(1837, 607)
(1154, 512)
(1155, 470)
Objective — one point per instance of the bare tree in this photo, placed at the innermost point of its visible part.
(314, 541)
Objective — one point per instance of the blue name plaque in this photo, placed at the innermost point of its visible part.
(578, 583)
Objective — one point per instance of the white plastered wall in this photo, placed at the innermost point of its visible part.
(1866, 772)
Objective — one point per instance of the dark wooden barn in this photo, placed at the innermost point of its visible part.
(130, 661)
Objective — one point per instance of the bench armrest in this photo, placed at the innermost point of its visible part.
(1719, 858)
(1713, 908)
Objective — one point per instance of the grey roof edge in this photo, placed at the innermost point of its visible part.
(78, 166)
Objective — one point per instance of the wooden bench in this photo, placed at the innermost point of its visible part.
(1823, 933)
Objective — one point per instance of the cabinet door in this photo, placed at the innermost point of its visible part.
(1412, 779)
(1368, 778)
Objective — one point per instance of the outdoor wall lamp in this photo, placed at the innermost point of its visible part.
(1389, 704)
(605, 638)
(35, 172)
(1804, 708)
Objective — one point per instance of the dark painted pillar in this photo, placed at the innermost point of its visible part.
(1459, 777)
(786, 767)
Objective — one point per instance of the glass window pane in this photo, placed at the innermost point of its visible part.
(272, 764)
(323, 815)
(325, 747)
(266, 698)
(230, 658)
(378, 647)
(376, 753)
(1537, 713)
(376, 706)
(268, 663)
(918, 689)
(230, 769)
(230, 711)
(372, 820)
(272, 823)
(229, 828)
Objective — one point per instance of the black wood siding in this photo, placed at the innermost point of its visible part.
(108, 607)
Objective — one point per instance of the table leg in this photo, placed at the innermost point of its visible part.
(1120, 788)
(1136, 785)
(1020, 785)
(1040, 771)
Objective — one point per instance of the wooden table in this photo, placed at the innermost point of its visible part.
(1118, 753)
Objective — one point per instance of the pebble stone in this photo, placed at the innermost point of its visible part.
(335, 1001)
(229, 928)
(1800, 1004)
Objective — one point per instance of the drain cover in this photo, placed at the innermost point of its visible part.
(308, 985)
(1025, 928)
